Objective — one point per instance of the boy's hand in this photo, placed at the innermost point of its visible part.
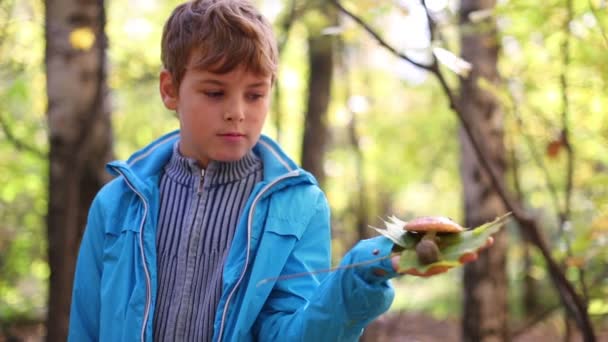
(465, 258)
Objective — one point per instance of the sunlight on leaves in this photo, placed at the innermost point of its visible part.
(598, 307)
(437, 5)
(332, 30)
(82, 38)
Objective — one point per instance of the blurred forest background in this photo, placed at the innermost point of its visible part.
(466, 109)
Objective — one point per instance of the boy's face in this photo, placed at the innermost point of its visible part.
(221, 115)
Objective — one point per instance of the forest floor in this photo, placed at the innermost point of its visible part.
(392, 327)
(412, 327)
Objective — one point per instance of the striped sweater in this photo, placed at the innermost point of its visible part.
(199, 210)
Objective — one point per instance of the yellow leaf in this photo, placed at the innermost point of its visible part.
(82, 38)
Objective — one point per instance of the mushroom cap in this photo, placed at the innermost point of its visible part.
(438, 224)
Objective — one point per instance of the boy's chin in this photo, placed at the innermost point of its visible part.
(231, 158)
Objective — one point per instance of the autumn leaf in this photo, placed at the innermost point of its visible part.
(452, 246)
(553, 148)
(557, 144)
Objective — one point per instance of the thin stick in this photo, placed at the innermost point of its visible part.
(327, 270)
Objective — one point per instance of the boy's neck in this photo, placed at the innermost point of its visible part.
(185, 170)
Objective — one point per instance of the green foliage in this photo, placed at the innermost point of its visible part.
(134, 30)
(534, 42)
(23, 168)
(532, 63)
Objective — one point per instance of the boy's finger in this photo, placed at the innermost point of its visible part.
(467, 257)
(395, 262)
(430, 272)
(488, 244)
(436, 270)
(463, 259)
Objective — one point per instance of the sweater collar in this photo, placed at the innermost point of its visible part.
(186, 170)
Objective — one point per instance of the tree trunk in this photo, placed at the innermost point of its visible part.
(320, 59)
(485, 281)
(79, 136)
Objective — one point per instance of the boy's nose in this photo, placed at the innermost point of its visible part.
(234, 113)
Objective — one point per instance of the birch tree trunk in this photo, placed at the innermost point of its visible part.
(79, 136)
(485, 281)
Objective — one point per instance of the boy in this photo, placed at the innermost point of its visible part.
(187, 243)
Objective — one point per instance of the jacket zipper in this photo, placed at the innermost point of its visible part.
(200, 183)
(249, 228)
(143, 257)
(180, 319)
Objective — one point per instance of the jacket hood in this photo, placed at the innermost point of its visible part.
(147, 163)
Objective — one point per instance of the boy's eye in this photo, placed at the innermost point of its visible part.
(255, 96)
(214, 94)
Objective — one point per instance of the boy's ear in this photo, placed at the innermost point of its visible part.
(168, 90)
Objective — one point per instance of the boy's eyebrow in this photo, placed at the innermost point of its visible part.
(220, 83)
(258, 84)
(212, 81)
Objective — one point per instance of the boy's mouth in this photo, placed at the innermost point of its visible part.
(232, 134)
(232, 137)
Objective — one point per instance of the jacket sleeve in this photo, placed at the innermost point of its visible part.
(84, 312)
(342, 304)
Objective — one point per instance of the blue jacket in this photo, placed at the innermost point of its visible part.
(284, 231)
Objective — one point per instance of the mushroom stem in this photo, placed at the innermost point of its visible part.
(430, 236)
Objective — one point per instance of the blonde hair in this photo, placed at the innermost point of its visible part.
(223, 34)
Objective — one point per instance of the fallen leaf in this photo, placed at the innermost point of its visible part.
(451, 245)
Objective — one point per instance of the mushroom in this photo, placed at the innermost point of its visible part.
(429, 226)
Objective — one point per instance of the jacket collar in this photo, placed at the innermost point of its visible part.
(144, 167)
(186, 171)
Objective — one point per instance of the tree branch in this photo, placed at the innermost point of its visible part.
(532, 321)
(540, 316)
(286, 25)
(527, 224)
(431, 23)
(6, 128)
(379, 39)
(18, 143)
